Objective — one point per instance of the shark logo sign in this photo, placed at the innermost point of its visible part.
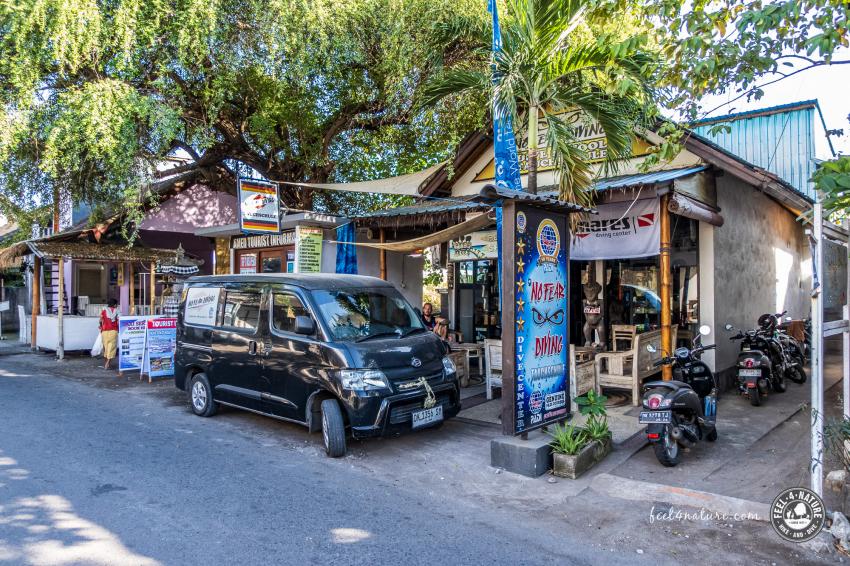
(621, 230)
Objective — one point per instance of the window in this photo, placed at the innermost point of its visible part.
(360, 314)
(241, 310)
(285, 308)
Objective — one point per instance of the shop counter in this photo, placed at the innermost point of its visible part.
(80, 332)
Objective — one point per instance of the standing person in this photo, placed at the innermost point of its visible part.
(428, 316)
(109, 331)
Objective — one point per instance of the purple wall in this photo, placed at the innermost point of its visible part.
(196, 207)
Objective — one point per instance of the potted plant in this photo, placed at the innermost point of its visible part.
(592, 405)
(572, 453)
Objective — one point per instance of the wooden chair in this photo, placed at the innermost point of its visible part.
(462, 365)
(623, 333)
(493, 363)
(627, 370)
(582, 377)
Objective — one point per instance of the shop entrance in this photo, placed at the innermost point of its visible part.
(477, 311)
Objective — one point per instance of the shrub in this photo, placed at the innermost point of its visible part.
(568, 439)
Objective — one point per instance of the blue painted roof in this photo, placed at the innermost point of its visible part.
(780, 139)
(641, 179)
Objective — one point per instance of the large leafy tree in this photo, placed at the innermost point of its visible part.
(555, 57)
(95, 93)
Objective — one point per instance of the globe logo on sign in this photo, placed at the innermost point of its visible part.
(535, 402)
(521, 222)
(548, 241)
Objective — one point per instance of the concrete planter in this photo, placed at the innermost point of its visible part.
(573, 466)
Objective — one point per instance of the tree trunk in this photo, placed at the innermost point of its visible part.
(532, 150)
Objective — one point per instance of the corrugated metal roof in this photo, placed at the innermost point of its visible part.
(640, 179)
(428, 207)
(780, 141)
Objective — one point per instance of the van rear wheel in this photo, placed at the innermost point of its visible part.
(200, 396)
(333, 428)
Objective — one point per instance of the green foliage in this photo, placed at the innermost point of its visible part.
(597, 428)
(554, 59)
(592, 403)
(95, 93)
(832, 178)
(730, 46)
(568, 439)
(835, 433)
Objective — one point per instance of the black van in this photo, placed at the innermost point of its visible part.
(328, 351)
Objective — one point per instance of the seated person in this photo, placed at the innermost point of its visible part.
(428, 317)
(441, 328)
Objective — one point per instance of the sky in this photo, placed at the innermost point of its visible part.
(830, 86)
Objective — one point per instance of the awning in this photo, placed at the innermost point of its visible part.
(12, 255)
(451, 233)
(401, 185)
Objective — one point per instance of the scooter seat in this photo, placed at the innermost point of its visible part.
(672, 385)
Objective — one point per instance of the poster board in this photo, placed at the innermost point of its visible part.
(160, 346)
(478, 245)
(132, 331)
(308, 249)
(201, 306)
(535, 318)
(259, 206)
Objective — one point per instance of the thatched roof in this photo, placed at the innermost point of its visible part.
(11, 256)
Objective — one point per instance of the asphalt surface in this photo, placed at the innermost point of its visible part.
(92, 475)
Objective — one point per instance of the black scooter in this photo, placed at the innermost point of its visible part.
(683, 411)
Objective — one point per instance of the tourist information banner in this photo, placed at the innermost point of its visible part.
(132, 331)
(536, 300)
(161, 346)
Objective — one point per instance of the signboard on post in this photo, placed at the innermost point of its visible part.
(535, 313)
(161, 345)
(478, 245)
(131, 342)
(308, 249)
(259, 208)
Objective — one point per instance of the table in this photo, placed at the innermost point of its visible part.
(472, 350)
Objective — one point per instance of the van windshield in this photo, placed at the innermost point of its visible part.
(365, 313)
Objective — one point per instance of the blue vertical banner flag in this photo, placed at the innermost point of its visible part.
(506, 161)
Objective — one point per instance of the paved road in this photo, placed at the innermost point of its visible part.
(102, 476)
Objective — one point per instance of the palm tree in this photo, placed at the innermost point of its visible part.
(544, 69)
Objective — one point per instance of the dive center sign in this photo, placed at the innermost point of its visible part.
(536, 287)
(621, 230)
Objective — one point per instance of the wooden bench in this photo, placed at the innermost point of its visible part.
(493, 363)
(626, 370)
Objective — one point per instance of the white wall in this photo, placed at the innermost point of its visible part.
(761, 263)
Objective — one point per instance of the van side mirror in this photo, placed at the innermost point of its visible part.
(305, 325)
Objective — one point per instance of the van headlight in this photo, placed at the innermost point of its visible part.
(363, 379)
(449, 366)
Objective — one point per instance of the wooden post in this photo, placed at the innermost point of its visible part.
(60, 311)
(666, 286)
(383, 256)
(132, 290)
(36, 299)
(153, 286)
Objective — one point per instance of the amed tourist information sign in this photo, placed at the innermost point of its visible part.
(535, 282)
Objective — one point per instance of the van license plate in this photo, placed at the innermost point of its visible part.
(749, 372)
(654, 417)
(427, 416)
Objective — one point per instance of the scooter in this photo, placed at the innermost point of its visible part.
(681, 412)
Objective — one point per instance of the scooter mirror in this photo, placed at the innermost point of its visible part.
(705, 330)
(650, 348)
(728, 326)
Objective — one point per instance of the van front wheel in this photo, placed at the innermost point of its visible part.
(333, 429)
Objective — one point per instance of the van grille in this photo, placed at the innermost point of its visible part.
(402, 413)
(411, 384)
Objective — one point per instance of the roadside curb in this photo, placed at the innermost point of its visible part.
(634, 490)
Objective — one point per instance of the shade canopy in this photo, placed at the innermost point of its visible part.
(401, 185)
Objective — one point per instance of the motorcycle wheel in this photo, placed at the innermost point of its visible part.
(779, 384)
(667, 449)
(797, 374)
(755, 396)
